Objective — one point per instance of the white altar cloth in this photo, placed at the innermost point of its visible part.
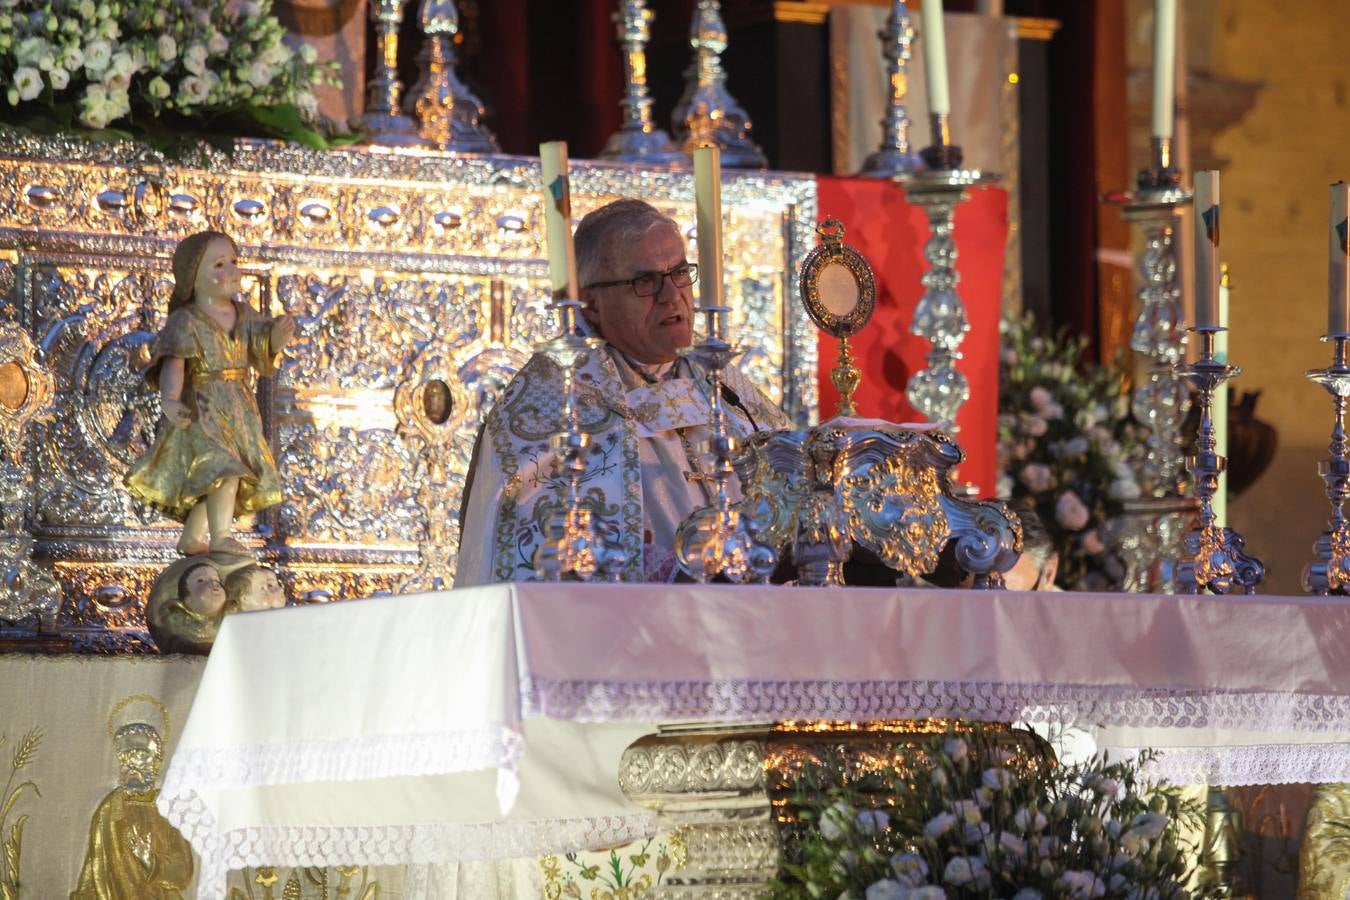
(489, 722)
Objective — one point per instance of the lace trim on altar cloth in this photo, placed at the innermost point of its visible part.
(663, 701)
(1250, 764)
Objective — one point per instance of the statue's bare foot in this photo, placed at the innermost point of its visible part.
(229, 545)
(192, 546)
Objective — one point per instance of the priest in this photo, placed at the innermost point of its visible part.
(643, 404)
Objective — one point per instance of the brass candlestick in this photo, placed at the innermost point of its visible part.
(1329, 573)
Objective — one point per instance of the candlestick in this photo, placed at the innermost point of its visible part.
(1330, 572)
(708, 207)
(638, 139)
(935, 59)
(707, 115)
(1206, 249)
(450, 116)
(1338, 301)
(1164, 67)
(895, 158)
(562, 254)
(1213, 557)
(384, 122)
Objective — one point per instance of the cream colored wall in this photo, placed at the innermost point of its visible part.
(1283, 154)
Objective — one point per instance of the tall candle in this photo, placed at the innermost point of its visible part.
(1338, 301)
(1206, 248)
(935, 59)
(1219, 502)
(708, 211)
(1164, 66)
(562, 254)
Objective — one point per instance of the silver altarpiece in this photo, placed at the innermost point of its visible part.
(420, 284)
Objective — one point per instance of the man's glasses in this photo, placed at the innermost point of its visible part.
(649, 284)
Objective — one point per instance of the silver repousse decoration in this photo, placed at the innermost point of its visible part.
(1213, 555)
(707, 115)
(939, 390)
(638, 140)
(1149, 533)
(1329, 573)
(895, 159)
(402, 270)
(448, 114)
(384, 122)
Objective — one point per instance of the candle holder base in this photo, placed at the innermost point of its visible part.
(1329, 572)
(1215, 561)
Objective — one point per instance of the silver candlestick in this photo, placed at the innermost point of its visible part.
(707, 115)
(1330, 572)
(1213, 557)
(575, 541)
(1152, 528)
(938, 390)
(638, 139)
(895, 158)
(448, 113)
(719, 539)
(383, 122)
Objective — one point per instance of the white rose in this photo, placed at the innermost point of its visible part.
(968, 811)
(119, 104)
(29, 50)
(928, 892)
(109, 30)
(217, 43)
(167, 47)
(1150, 824)
(122, 64)
(47, 61)
(116, 81)
(1124, 489)
(59, 78)
(939, 825)
(910, 869)
(194, 58)
(1012, 845)
(309, 54)
(97, 55)
(963, 870)
(159, 88)
(260, 74)
(887, 889)
(87, 9)
(1028, 894)
(1082, 885)
(997, 779)
(870, 821)
(94, 111)
(834, 820)
(276, 55)
(28, 81)
(1029, 820)
(192, 90)
(308, 105)
(955, 748)
(72, 58)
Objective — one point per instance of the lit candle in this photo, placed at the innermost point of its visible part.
(1206, 249)
(708, 211)
(562, 254)
(935, 60)
(1338, 304)
(1164, 66)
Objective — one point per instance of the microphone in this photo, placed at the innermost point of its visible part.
(734, 399)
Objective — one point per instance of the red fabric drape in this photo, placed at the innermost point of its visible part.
(891, 233)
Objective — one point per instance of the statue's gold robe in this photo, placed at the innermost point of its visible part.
(125, 827)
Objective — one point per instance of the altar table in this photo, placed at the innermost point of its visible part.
(489, 722)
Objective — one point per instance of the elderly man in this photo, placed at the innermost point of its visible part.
(645, 407)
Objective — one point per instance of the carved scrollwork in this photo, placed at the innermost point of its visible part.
(676, 768)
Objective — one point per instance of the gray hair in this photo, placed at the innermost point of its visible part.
(609, 227)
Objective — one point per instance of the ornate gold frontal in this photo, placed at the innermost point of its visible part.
(420, 285)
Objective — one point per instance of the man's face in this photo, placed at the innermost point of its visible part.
(646, 329)
(1030, 574)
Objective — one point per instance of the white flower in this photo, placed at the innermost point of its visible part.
(94, 110)
(72, 58)
(927, 892)
(870, 821)
(276, 55)
(834, 820)
(1028, 894)
(308, 104)
(939, 778)
(109, 30)
(159, 88)
(1150, 824)
(119, 104)
(1124, 489)
(12, 95)
(938, 825)
(974, 833)
(97, 55)
(87, 9)
(192, 90)
(1037, 477)
(116, 81)
(260, 74)
(31, 49)
(1012, 845)
(1030, 820)
(167, 47)
(886, 889)
(1033, 426)
(910, 869)
(28, 81)
(1047, 846)
(1106, 787)
(194, 58)
(1071, 512)
(1082, 885)
(1132, 843)
(1040, 398)
(249, 9)
(955, 748)
(962, 870)
(217, 43)
(59, 78)
(968, 811)
(997, 779)
(1077, 445)
(309, 54)
(122, 64)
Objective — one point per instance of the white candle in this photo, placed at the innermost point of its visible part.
(1338, 301)
(708, 211)
(935, 59)
(1164, 66)
(562, 254)
(1219, 502)
(1206, 248)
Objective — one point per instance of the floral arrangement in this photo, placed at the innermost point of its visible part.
(971, 819)
(1067, 447)
(158, 69)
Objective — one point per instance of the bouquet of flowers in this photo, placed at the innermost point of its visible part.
(158, 68)
(972, 819)
(1066, 446)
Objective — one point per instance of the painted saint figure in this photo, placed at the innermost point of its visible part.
(210, 461)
